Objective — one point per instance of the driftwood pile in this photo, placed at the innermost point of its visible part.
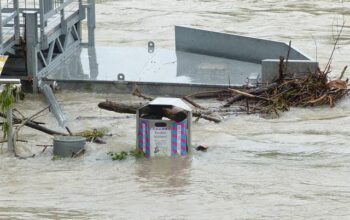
(311, 90)
(314, 89)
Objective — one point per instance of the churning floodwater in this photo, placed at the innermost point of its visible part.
(293, 167)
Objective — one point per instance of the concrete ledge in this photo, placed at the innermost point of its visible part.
(270, 68)
(166, 89)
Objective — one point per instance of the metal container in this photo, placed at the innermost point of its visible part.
(67, 146)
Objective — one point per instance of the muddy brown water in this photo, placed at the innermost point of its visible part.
(293, 167)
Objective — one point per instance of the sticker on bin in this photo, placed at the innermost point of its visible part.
(160, 141)
(163, 141)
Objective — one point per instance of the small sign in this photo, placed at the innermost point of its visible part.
(160, 141)
(3, 60)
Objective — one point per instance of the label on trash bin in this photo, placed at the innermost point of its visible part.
(160, 141)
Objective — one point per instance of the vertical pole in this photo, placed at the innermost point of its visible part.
(1, 28)
(31, 36)
(16, 21)
(91, 23)
(48, 6)
(10, 140)
(82, 14)
(63, 20)
(42, 20)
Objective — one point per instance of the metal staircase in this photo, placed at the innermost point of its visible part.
(39, 35)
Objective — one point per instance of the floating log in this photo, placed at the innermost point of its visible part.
(34, 125)
(132, 108)
(254, 92)
(119, 107)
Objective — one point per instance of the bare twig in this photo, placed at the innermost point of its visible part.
(287, 59)
(136, 92)
(248, 95)
(280, 70)
(70, 133)
(15, 135)
(77, 154)
(206, 117)
(209, 94)
(326, 69)
(342, 73)
(192, 102)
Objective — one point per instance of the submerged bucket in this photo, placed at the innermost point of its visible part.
(67, 146)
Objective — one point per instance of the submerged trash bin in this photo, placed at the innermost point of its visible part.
(164, 127)
(67, 146)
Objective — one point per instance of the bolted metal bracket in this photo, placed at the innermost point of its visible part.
(151, 47)
(121, 77)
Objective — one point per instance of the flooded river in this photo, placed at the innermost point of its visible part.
(293, 167)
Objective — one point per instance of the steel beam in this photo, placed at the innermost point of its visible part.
(50, 53)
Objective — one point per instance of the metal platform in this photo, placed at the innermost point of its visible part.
(119, 69)
(202, 60)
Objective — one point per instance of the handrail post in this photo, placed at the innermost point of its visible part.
(1, 37)
(63, 20)
(82, 15)
(91, 23)
(16, 21)
(42, 20)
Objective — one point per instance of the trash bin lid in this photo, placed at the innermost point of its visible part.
(171, 101)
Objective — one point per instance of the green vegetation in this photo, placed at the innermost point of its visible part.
(55, 157)
(118, 156)
(92, 134)
(7, 99)
(137, 153)
(123, 155)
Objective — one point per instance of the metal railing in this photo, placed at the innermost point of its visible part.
(54, 13)
(50, 13)
(9, 24)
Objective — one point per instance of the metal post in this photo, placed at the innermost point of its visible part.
(63, 20)
(91, 23)
(16, 21)
(31, 36)
(10, 145)
(82, 15)
(48, 6)
(42, 21)
(1, 38)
